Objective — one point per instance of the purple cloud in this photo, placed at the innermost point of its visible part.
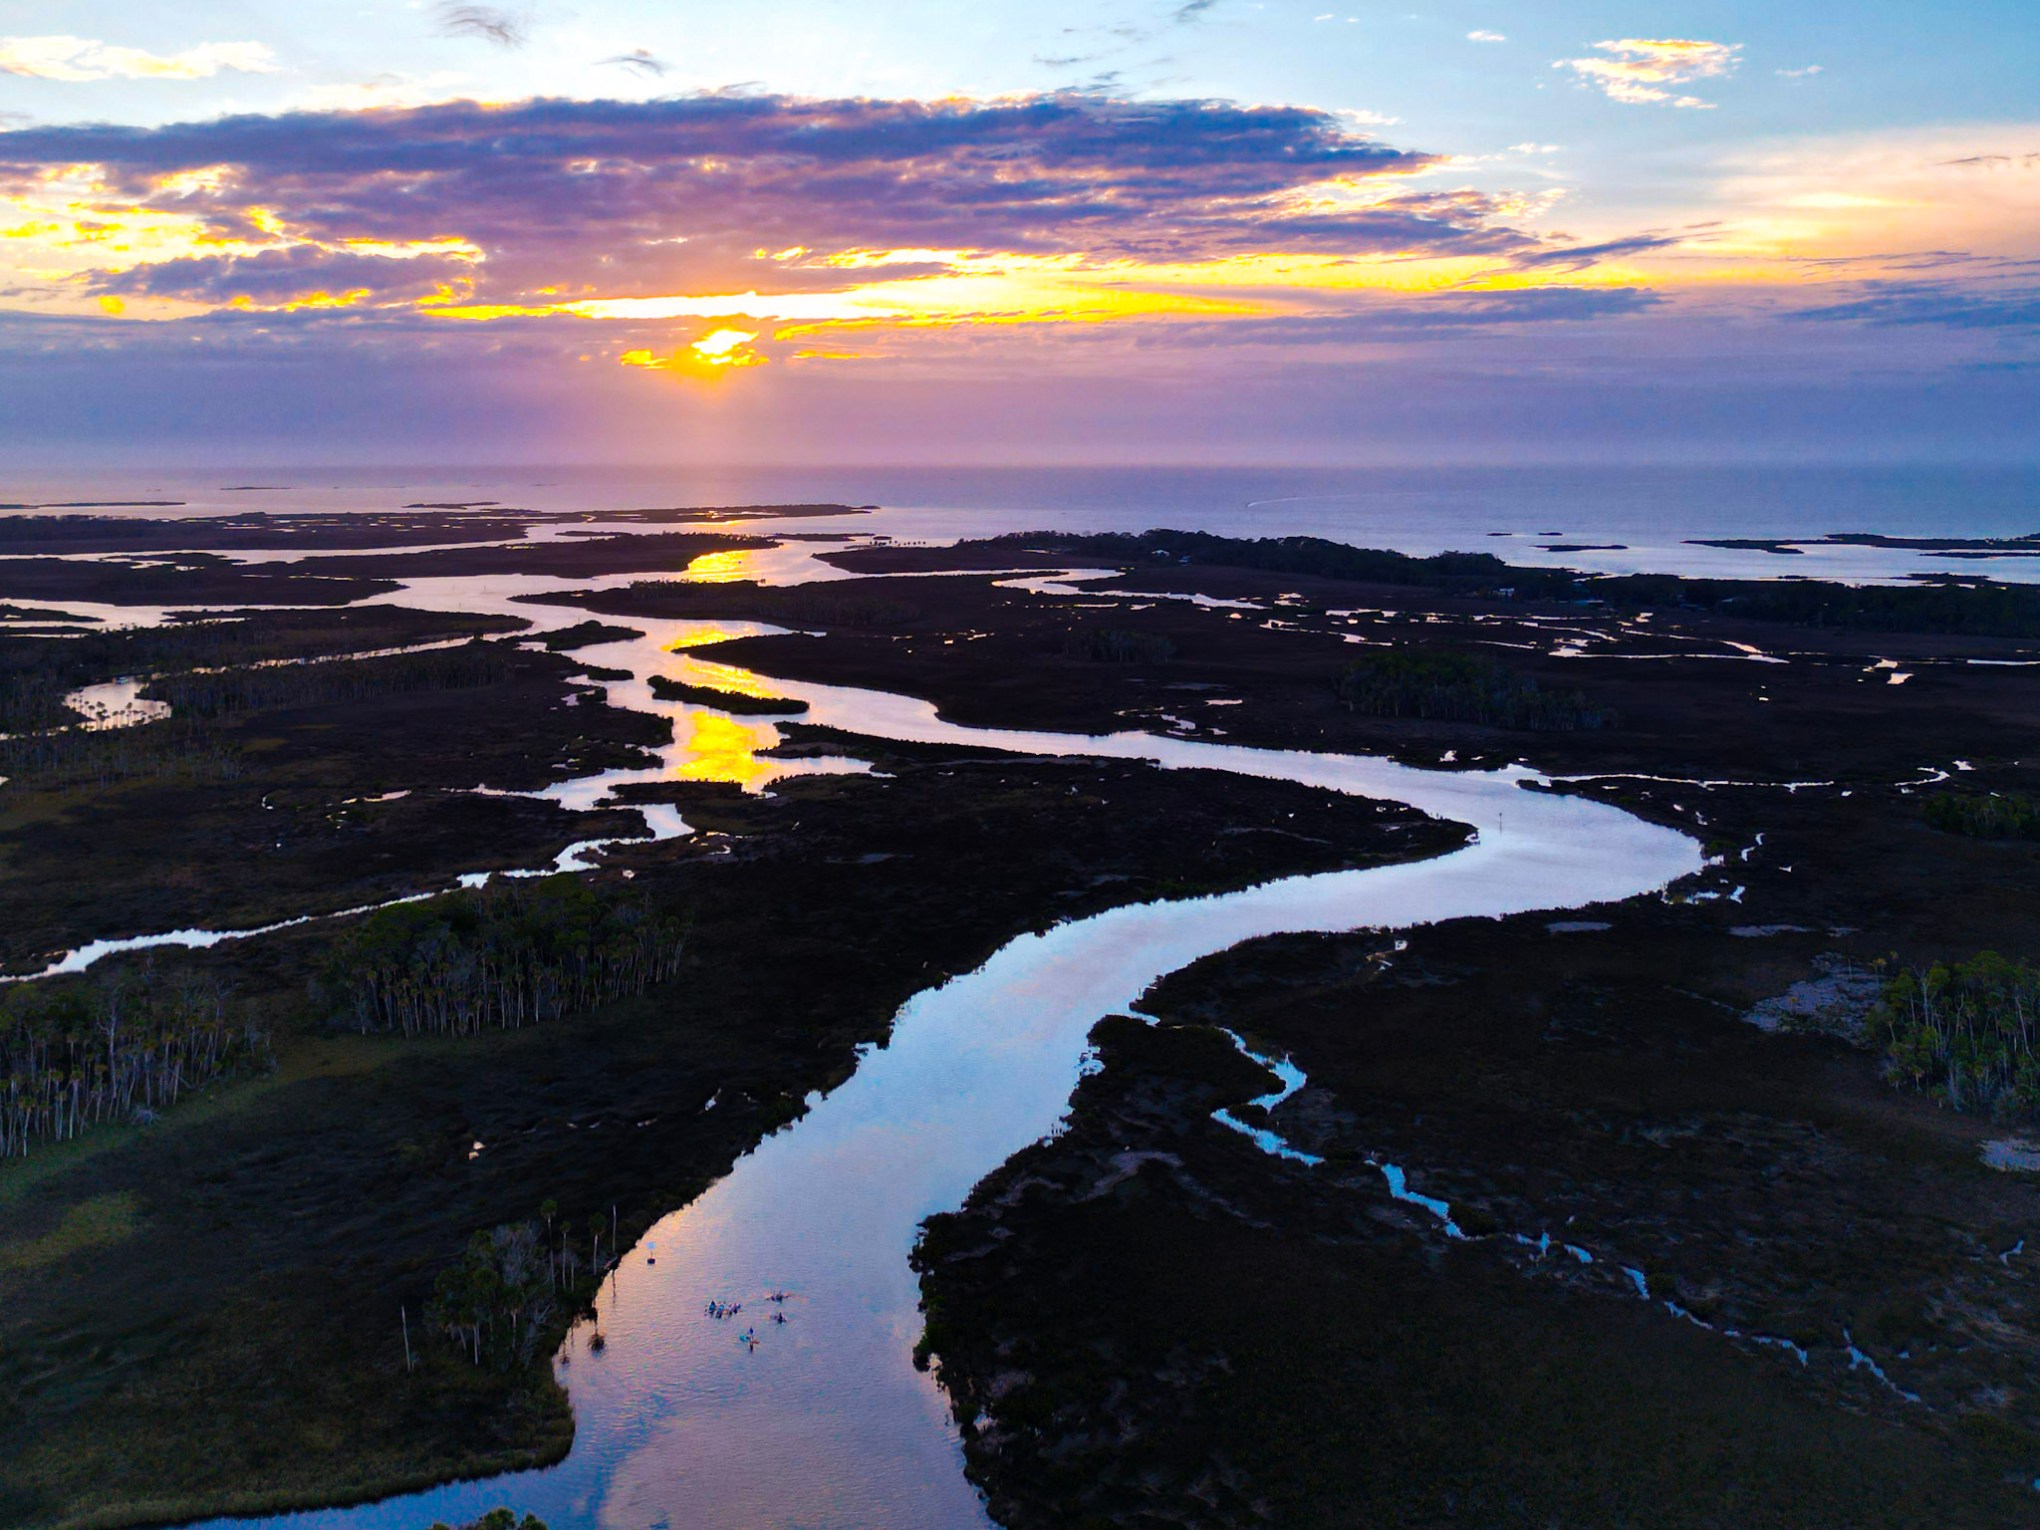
(280, 276)
(1935, 303)
(680, 194)
(1577, 257)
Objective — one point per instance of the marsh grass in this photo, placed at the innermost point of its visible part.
(99, 1223)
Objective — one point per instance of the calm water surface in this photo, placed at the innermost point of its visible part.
(1649, 511)
(826, 1423)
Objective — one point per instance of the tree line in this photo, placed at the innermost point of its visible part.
(1964, 1034)
(174, 749)
(1449, 686)
(512, 954)
(121, 1045)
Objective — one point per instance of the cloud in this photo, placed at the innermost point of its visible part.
(1645, 71)
(1479, 35)
(639, 61)
(1883, 195)
(1996, 162)
(1799, 74)
(506, 29)
(283, 277)
(1442, 315)
(1116, 40)
(1544, 305)
(717, 351)
(78, 59)
(555, 201)
(1578, 257)
(1940, 304)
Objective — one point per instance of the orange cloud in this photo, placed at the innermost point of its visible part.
(1647, 71)
(719, 350)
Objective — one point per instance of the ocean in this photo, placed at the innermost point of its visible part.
(1609, 519)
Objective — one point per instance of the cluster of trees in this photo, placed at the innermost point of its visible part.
(1114, 645)
(225, 692)
(1993, 815)
(1965, 1033)
(1461, 687)
(500, 1519)
(497, 1304)
(504, 956)
(76, 1051)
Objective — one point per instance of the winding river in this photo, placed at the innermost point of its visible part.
(823, 1420)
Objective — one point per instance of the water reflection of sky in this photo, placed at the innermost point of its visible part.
(829, 1423)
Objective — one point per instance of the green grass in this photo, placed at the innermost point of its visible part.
(93, 1224)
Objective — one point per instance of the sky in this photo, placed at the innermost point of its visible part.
(1123, 231)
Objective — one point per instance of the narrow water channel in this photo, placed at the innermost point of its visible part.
(686, 1419)
(681, 1421)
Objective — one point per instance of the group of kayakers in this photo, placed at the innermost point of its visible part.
(748, 1339)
